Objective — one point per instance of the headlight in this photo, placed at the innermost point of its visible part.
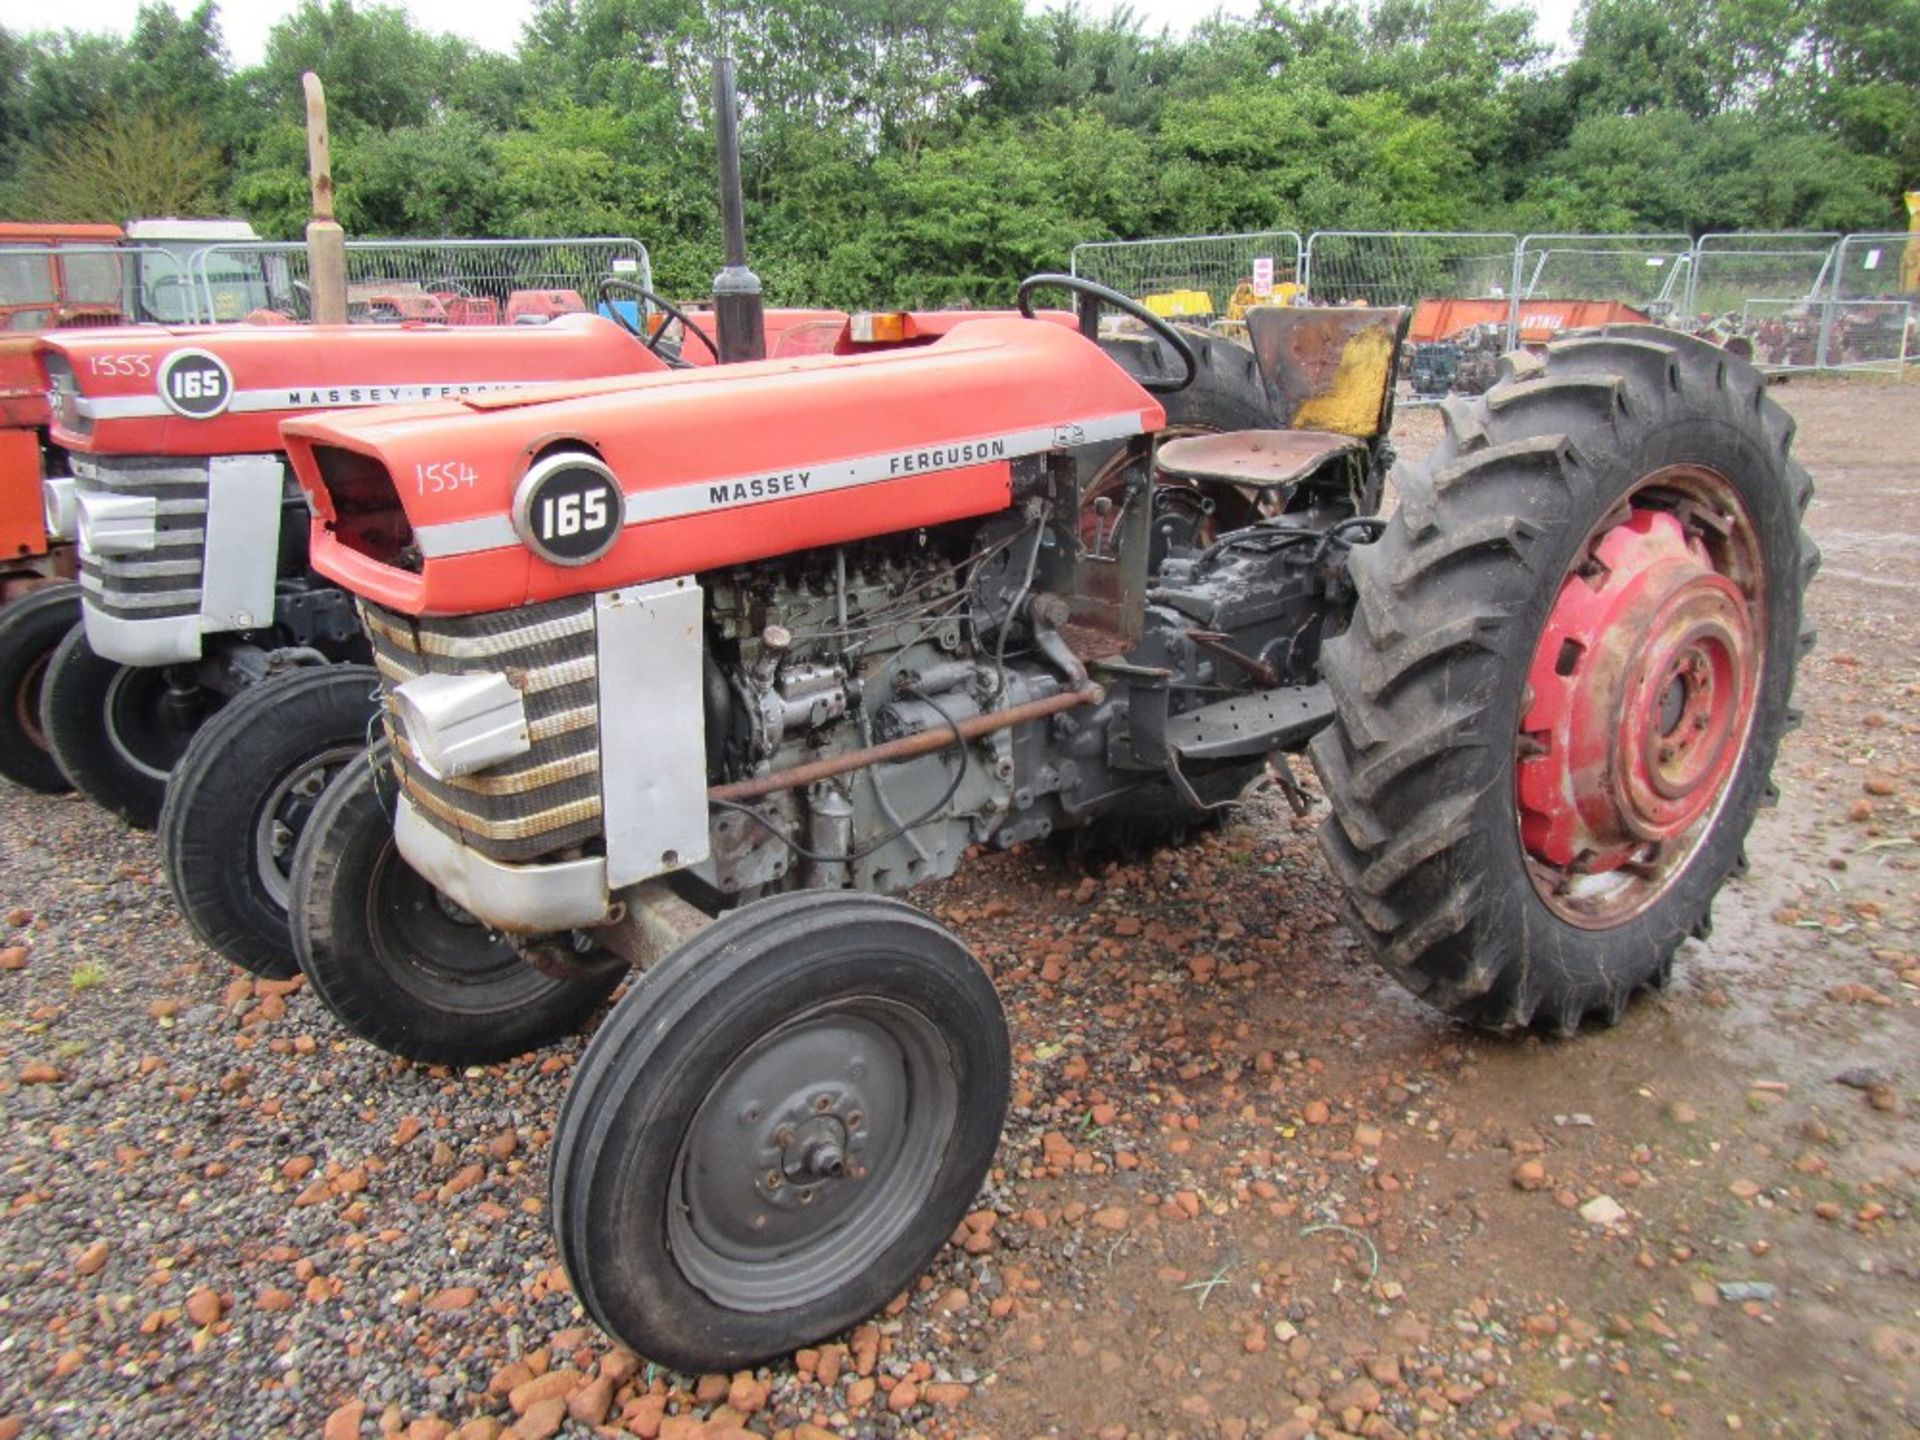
(60, 504)
(459, 724)
(116, 524)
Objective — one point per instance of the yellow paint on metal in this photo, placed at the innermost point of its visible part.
(1179, 304)
(1351, 404)
(1910, 260)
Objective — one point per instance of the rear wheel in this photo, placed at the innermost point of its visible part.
(117, 730)
(1566, 677)
(401, 965)
(240, 797)
(777, 1128)
(31, 628)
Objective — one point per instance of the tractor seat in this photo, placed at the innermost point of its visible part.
(1260, 458)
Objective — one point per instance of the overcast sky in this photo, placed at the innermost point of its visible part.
(496, 23)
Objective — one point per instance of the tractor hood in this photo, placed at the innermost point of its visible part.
(223, 390)
(448, 509)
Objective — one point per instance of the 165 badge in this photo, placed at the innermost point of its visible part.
(568, 509)
(195, 383)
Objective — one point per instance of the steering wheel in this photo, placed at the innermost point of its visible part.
(613, 287)
(1099, 295)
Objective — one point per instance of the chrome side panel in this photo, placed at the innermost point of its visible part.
(244, 494)
(653, 749)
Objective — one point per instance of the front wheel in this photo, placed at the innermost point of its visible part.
(31, 628)
(1567, 674)
(777, 1128)
(240, 797)
(117, 730)
(401, 965)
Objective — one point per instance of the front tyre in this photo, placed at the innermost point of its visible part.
(777, 1128)
(240, 797)
(1567, 674)
(116, 730)
(398, 963)
(31, 628)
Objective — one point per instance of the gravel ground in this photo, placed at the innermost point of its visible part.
(1248, 1188)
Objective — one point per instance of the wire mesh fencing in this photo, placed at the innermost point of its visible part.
(1204, 279)
(458, 282)
(1867, 319)
(1648, 274)
(59, 287)
(1404, 267)
(1732, 268)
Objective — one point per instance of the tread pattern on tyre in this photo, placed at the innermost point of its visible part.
(468, 1025)
(31, 625)
(692, 986)
(72, 712)
(1413, 750)
(202, 838)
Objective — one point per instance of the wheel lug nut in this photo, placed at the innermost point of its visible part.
(822, 1104)
(783, 1137)
(775, 1180)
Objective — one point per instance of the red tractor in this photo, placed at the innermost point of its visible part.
(690, 673)
(190, 538)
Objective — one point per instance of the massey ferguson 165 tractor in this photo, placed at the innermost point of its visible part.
(194, 582)
(689, 674)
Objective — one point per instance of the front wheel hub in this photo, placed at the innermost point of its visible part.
(1640, 698)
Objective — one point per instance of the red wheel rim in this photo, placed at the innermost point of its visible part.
(1640, 697)
(26, 700)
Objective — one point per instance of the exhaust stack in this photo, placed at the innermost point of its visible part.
(326, 241)
(738, 308)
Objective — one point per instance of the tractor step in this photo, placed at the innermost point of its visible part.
(1250, 724)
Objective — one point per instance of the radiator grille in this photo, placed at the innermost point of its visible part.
(547, 799)
(166, 580)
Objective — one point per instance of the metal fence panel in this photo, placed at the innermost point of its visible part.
(1867, 320)
(1794, 300)
(1207, 278)
(1403, 267)
(458, 281)
(59, 287)
(1732, 268)
(1647, 272)
(1780, 334)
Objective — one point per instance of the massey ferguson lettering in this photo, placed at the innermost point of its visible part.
(304, 397)
(949, 457)
(760, 487)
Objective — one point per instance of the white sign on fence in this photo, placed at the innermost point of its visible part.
(1263, 276)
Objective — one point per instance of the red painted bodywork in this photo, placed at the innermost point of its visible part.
(23, 413)
(1606, 775)
(985, 376)
(1540, 320)
(317, 368)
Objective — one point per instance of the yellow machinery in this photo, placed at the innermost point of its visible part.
(1910, 261)
(1180, 304)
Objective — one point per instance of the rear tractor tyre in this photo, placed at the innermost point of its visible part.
(31, 628)
(115, 730)
(398, 963)
(777, 1128)
(1566, 676)
(240, 797)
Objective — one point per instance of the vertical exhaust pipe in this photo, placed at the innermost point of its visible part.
(326, 241)
(737, 306)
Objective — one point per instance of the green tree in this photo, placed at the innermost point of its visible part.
(150, 163)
